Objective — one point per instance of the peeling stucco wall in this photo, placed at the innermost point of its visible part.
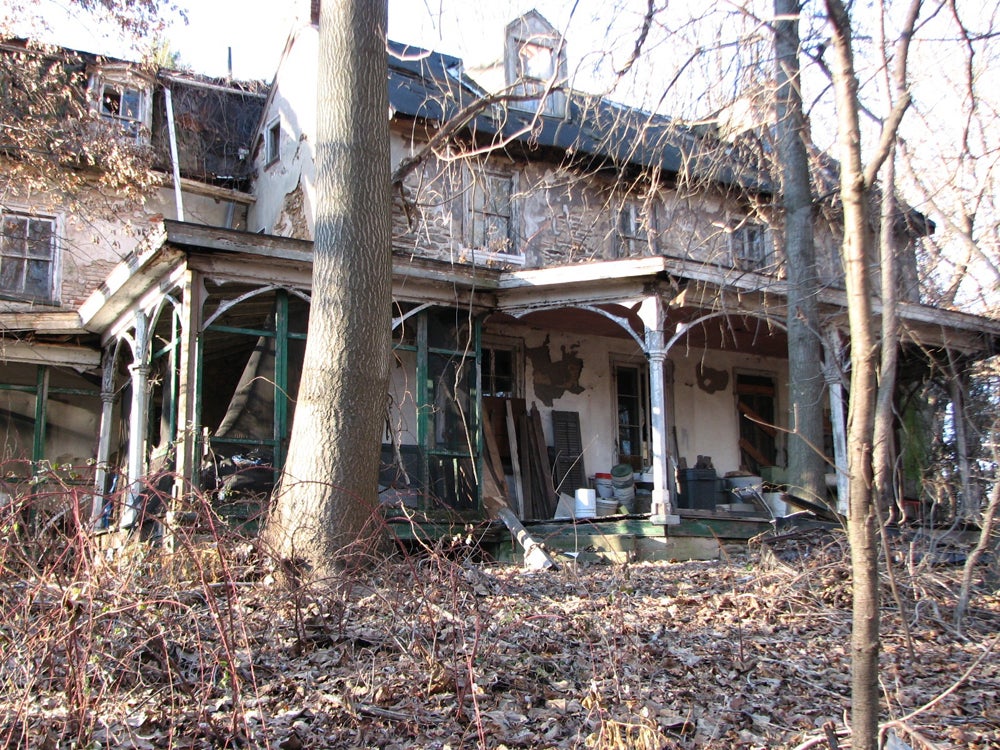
(555, 375)
(293, 104)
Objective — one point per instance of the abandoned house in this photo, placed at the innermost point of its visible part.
(577, 286)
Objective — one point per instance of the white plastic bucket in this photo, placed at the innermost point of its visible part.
(586, 503)
(622, 476)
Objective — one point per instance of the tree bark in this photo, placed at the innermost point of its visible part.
(805, 373)
(862, 519)
(884, 435)
(328, 490)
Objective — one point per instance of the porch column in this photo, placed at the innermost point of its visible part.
(651, 312)
(662, 508)
(832, 358)
(104, 439)
(192, 299)
(138, 414)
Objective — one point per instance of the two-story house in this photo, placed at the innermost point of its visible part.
(591, 285)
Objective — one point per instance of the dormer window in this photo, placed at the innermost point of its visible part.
(123, 105)
(121, 97)
(535, 61)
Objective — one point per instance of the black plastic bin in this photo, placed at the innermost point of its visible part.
(698, 490)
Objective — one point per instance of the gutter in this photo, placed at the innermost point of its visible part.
(174, 161)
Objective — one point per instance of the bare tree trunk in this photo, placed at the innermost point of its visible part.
(805, 374)
(885, 448)
(862, 520)
(885, 452)
(328, 490)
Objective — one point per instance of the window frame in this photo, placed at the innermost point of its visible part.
(512, 346)
(748, 254)
(642, 426)
(132, 125)
(123, 79)
(636, 235)
(477, 215)
(53, 281)
(272, 141)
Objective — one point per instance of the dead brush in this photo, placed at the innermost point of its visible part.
(638, 733)
(90, 632)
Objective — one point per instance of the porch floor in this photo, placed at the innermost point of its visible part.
(701, 535)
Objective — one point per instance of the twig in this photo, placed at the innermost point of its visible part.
(954, 686)
(910, 732)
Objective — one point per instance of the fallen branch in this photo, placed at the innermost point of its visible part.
(495, 502)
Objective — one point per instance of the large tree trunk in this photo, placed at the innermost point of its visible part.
(328, 490)
(805, 373)
(862, 519)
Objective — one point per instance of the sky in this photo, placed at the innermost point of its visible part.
(256, 30)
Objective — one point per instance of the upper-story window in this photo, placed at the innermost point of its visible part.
(535, 61)
(272, 141)
(632, 230)
(492, 212)
(123, 105)
(750, 244)
(27, 256)
(122, 98)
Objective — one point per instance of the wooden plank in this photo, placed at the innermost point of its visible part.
(548, 488)
(755, 454)
(676, 548)
(493, 485)
(756, 418)
(530, 470)
(514, 458)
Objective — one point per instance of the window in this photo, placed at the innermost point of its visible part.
(535, 62)
(492, 214)
(632, 236)
(499, 373)
(123, 105)
(120, 96)
(27, 256)
(751, 247)
(272, 142)
(632, 409)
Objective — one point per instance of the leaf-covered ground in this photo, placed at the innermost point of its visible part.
(435, 651)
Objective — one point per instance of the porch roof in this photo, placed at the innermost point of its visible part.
(689, 287)
(699, 287)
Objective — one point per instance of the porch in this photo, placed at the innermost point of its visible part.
(652, 363)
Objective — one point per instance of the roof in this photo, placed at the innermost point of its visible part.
(433, 86)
